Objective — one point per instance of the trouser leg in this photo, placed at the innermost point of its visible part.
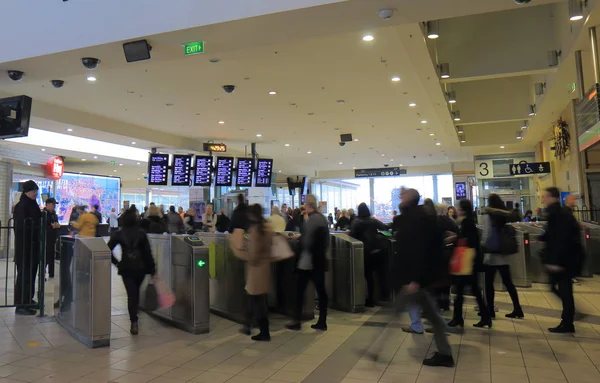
(50, 259)
(458, 300)
(476, 289)
(565, 288)
(510, 286)
(490, 274)
(414, 313)
(318, 278)
(302, 282)
(132, 286)
(439, 325)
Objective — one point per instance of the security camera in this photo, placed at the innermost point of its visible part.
(90, 62)
(57, 83)
(15, 75)
(521, 2)
(228, 88)
(386, 165)
(386, 13)
(415, 157)
(341, 143)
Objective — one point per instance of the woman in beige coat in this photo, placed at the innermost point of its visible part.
(258, 272)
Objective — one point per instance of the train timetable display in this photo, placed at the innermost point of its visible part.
(224, 171)
(158, 169)
(180, 171)
(243, 174)
(202, 175)
(264, 171)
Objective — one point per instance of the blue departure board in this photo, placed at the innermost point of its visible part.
(264, 171)
(224, 171)
(158, 173)
(180, 170)
(243, 174)
(202, 175)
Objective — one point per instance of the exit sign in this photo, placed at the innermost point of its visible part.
(193, 48)
(201, 263)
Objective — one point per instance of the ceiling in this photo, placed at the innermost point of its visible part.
(328, 82)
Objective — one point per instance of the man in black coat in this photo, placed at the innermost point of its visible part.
(52, 229)
(27, 217)
(562, 255)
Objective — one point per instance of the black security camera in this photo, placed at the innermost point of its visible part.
(521, 2)
(228, 88)
(15, 75)
(386, 165)
(90, 62)
(57, 83)
(341, 143)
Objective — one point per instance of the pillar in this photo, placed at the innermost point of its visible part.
(6, 179)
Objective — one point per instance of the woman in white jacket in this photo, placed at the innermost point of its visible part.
(209, 220)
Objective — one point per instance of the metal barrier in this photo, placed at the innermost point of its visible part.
(345, 280)
(536, 271)
(182, 262)
(591, 244)
(85, 290)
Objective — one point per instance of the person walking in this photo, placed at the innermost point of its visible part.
(468, 237)
(258, 272)
(113, 221)
(312, 264)
(152, 222)
(239, 218)
(223, 222)
(27, 219)
(136, 262)
(52, 230)
(496, 217)
(562, 255)
(86, 223)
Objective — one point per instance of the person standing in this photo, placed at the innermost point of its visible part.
(136, 262)
(98, 215)
(113, 221)
(86, 223)
(27, 217)
(174, 222)
(223, 222)
(51, 234)
(276, 220)
(562, 255)
(209, 219)
(312, 264)
(239, 218)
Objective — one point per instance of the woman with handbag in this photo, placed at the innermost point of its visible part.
(465, 264)
(494, 259)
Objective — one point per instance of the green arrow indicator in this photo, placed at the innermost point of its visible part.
(201, 263)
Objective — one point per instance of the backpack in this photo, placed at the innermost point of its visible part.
(132, 258)
(502, 241)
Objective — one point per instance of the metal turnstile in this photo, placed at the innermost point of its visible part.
(85, 290)
(536, 271)
(182, 262)
(388, 257)
(518, 262)
(591, 244)
(345, 280)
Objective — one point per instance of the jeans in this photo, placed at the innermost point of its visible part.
(561, 284)
(490, 274)
(472, 281)
(133, 283)
(414, 313)
(318, 278)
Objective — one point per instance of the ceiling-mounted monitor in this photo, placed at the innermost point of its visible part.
(224, 171)
(158, 169)
(202, 174)
(14, 116)
(180, 170)
(243, 173)
(264, 172)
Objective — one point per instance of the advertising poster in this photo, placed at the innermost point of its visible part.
(81, 189)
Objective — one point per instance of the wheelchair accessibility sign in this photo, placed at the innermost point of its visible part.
(529, 168)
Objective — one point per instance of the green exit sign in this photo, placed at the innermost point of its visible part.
(193, 48)
(201, 263)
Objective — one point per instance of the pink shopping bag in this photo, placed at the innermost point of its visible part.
(166, 298)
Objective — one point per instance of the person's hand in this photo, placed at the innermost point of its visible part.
(555, 268)
(412, 288)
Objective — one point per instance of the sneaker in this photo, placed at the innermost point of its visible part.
(262, 337)
(294, 326)
(319, 326)
(439, 360)
(410, 330)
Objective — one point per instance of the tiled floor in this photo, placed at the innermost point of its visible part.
(515, 351)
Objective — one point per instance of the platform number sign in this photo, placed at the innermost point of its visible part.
(484, 169)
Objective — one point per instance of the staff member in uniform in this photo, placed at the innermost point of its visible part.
(51, 233)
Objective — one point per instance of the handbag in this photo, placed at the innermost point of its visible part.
(166, 298)
(151, 297)
(280, 248)
(462, 259)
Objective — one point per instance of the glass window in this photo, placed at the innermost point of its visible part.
(445, 187)
(387, 193)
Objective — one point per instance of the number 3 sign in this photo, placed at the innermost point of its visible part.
(484, 169)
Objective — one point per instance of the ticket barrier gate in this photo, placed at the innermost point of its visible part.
(384, 279)
(518, 262)
(85, 290)
(591, 244)
(536, 271)
(345, 280)
(182, 262)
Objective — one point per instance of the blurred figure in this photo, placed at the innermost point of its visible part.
(51, 234)
(223, 222)
(528, 216)
(451, 212)
(330, 219)
(152, 222)
(365, 229)
(96, 212)
(209, 219)
(516, 214)
(496, 217)
(563, 255)
(292, 224)
(75, 211)
(276, 220)
(343, 222)
(450, 229)
(181, 212)
(136, 261)
(539, 216)
(258, 272)
(188, 221)
(394, 213)
(312, 264)
(86, 223)
(571, 201)
(143, 215)
(351, 215)
(113, 220)
(27, 218)
(239, 218)
(284, 212)
(174, 222)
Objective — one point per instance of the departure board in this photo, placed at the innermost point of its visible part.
(264, 171)
(202, 175)
(180, 170)
(158, 169)
(224, 171)
(243, 174)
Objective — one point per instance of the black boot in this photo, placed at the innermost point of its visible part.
(516, 314)
(456, 323)
(563, 328)
(320, 325)
(484, 323)
(439, 360)
(264, 335)
(134, 328)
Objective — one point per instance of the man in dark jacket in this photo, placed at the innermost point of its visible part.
(562, 255)
(239, 219)
(52, 229)
(27, 217)
(421, 241)
(312, 263)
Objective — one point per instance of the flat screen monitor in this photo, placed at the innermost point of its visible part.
(158, 169)
(224, 171)
(264, 171)
(461, 190)
(15, 113)
(180, 170)
(243, 174)
(202, 175)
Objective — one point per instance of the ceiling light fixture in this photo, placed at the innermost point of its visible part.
(432, 134)
(115, 170)
(272, 92)
(133, 142)
(83, 159)
(423, 121)
(531, 110)
(451, 97)
(400, 165)
(43, 150)
(341, 163)
(438, 143)
(138, 163)
(221, 122)
(120, 164)
(444, 69)
(308, 152)
(432, 28)
(462, 140)
(502, 147)
(91, 78)
(287, 144)
(95, 157)
(258, 135)
(519, 136)
(456, 115)
(395, 79)
(368, 38)
(69, 129)
(576, 9)
(412, 104)
(525, 125)
(356, 140)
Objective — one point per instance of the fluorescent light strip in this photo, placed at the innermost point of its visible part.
(72, 143)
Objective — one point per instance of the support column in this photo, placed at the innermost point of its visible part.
(579, 73)
(6, 179)
(596, 62)
(372, 195)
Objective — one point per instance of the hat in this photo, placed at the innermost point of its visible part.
(50, 200)
(29, 186)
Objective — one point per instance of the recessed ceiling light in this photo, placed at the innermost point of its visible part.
(356, 140)
(287, 144)
(133, 142)
(423, 121)
(279, 171)
(95, 157)
(308, 152)
(120, 164)
(432, 134)
(69, 129)
(354, 167)
(258, 135)
(368, 38)
(392, 160)
(382, 155)
(341, 163)
(83, 159)
(272, 92)
(412, 104)
(221, 122)
(400, 165)
(463, 140)
(138, 163)
(115, 170)
(395, 79)
(438, 143)
(139, 179)
(43, 150)
(502, 147)
(91, 78)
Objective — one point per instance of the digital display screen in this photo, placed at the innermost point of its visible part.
(243, 174)
(158, 169)
(264, 171)
(460, 189)
(224, 173)
(180, 171)
(202, 175)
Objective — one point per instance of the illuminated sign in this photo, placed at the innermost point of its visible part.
(55, 167)
(212, 147)
(193, 48)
